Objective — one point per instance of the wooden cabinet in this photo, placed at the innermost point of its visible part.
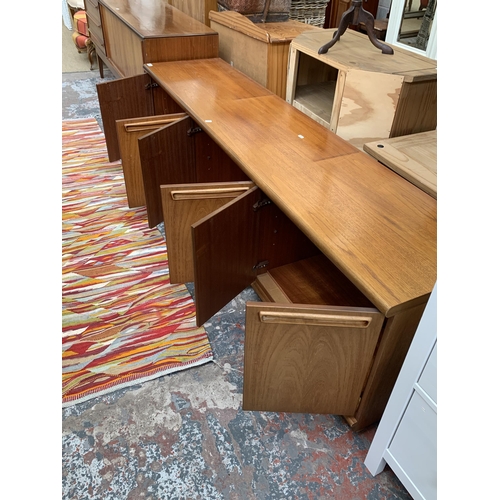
(310, 344)
(163, 148)
(260, 50)
(150, 31)
(359, 93)
(96, 34)
(340, 249)
(198, 9)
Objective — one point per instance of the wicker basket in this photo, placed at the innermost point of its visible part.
(309, 11)
(279, 10)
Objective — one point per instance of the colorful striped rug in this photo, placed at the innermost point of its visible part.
(122, 321)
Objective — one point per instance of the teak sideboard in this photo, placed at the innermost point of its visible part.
(128, 34)
(341, 249)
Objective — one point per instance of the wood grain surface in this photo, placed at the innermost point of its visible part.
(309, 359)
(414, 157)
(377, 228)
(353, 51)
(153, 18)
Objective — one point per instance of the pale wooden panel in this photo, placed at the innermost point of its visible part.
(312, 71)
(123, 46)
(307, 359)
(260, 50)
(316, 100)
(293, 66)
(369, 103)
(269, 290)
(266, 32)
(183, 205)
(128, 132)
(246, 54)
(376, 227)
(355, 51)
(414, 157)
(198, 9)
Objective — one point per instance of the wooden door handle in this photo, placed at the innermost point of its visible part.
(138, 126)
(315, 319)
(200, 194)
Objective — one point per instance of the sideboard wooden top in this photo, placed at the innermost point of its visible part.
(156, 18)
(354, 51)
(376, 227)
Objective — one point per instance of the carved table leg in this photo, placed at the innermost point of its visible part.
(354, 15)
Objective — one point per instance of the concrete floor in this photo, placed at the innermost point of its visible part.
(185, 436)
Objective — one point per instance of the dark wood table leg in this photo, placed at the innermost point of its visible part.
(354, 15)
(101, 66)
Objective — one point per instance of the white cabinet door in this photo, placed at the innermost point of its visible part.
(406, 437)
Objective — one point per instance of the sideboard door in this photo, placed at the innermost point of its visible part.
(225, 253)
(185, 204)
(128, 132)
(123, 98)
(236, 243)
(167, 156)
(307, 359)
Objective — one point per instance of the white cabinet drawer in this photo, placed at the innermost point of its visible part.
(428, 378)
(414, 446)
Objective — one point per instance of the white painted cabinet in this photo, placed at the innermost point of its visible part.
(406, 438)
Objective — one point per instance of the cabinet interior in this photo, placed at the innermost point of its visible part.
(315, 88)
(314, 281)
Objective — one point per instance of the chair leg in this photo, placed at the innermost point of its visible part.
(90, 51)
(101, 66)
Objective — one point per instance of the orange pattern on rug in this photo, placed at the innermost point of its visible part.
(122, 321)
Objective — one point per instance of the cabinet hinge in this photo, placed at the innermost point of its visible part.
(261, 203)
(260, 265)
(151, 85)
(193, 130)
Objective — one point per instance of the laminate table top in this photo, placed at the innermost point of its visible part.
(414, 157)
(376, 227)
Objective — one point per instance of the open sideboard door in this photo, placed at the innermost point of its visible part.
(130, 97)
(184, 205)
(181, 153)
(129, 131)
(311, 358)
(236, 243)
